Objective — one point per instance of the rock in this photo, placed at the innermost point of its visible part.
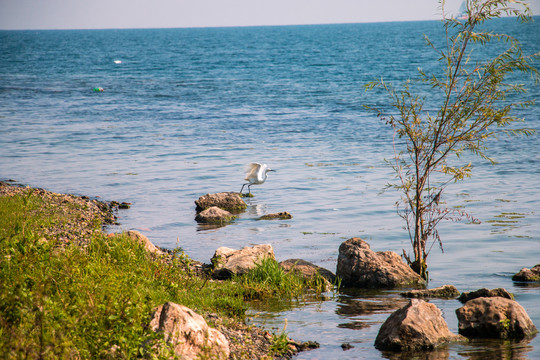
(494, 317)
(418, 325)
(466, 296)
(188, 333)
(359, 266)
(528, 274)
(229, 201)
(309, 270)
(214, 215)
(445, 291)
(135, 235)
(124, 205)
(284, 215)
(346, 346)
(228, 261)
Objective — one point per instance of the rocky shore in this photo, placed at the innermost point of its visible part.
(81, 229)
(494, 312)
(245, 342)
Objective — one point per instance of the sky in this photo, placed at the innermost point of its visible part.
(116, 14)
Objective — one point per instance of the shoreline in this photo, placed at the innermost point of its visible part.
(245, 340)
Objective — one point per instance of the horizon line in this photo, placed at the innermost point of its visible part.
(233, 26)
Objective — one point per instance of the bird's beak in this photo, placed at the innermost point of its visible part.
(272, 170)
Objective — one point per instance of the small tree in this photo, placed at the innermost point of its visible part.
(475, 107)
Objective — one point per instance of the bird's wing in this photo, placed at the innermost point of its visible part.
(252, 170)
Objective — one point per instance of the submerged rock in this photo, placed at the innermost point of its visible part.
(359, 266)
(308, 270)
(228, 261)
(528, 274)
(445, 291)
(229, 201)
(494, 317)
(417, 326)
(284, 215)
(500, 292)
(188, 333)
(214, 215)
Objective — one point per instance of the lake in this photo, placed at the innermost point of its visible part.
(183, 111)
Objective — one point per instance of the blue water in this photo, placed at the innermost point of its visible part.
(187, 109)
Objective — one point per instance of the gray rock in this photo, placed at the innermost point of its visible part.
(500, 292)
(445, 291)
(188, 333)
(528, 274)
(228, 261)
(494, 317)
(417, 326)
(229, 201)
(214, 215)
(359, 266)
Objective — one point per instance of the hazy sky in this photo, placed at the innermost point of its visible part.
(90, 14)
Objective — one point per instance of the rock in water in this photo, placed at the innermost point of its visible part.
(308, 271)
(229, 201)
(445, 291)
(501, 292)
(528, 274)
(494, 317)
(188, 333)
(359, 266)
(418, 325)
(214, 215)
(228, 261)
(284, 215)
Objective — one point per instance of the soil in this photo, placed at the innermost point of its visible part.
(246, 342)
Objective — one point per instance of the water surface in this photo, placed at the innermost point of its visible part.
(187, 109)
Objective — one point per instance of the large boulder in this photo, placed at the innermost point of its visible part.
(500, 292)
(417, 326)
(214, 215)
(359, 266)
(528, 274)
(228, 262)
(445, 291)
(494, 317)
(188, 333)
(229, 201)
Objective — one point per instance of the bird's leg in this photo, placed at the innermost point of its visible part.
(243, 187)
(249, 189)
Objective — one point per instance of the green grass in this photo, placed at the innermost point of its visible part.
(63, 300)
(269, 279)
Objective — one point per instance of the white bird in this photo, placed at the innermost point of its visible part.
(256, 174)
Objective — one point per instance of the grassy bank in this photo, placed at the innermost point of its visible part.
(73, 292)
